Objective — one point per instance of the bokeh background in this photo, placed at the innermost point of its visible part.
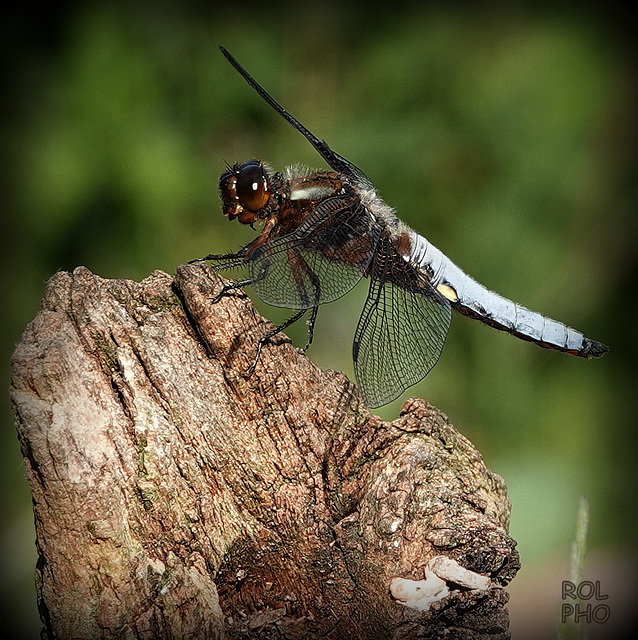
(503, 132)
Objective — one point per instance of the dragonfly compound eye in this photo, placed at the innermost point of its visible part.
(252, 187)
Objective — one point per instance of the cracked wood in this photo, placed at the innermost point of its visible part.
(173, 497)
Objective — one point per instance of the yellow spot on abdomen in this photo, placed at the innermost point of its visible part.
(447, 292)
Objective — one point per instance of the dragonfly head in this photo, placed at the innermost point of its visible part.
(245, 191)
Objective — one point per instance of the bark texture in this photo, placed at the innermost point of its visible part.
(174, 498)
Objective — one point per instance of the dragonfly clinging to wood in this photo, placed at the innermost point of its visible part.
(323, 231)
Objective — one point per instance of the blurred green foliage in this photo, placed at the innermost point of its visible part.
(503, 133)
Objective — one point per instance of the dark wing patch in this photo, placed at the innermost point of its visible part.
(319, 261)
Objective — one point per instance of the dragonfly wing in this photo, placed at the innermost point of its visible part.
(401, 331)
(319, 261)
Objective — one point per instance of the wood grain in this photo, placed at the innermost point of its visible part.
(176, 498)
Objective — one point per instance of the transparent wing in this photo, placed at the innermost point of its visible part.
(401, 331)
(318, 262)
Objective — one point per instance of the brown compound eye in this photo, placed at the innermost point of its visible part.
(252, 187)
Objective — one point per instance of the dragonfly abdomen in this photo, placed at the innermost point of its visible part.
(472, 299)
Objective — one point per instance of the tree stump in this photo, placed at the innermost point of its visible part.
(176, 498)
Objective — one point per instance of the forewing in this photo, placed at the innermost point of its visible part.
(401, 331)
(318, 262)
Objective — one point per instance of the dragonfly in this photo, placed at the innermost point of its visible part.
(323, 231)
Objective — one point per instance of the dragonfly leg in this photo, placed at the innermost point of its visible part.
(232, 260)
(218, 256)
(266, 338)
(230, 287)
(311, 326)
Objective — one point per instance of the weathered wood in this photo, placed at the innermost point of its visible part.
(175, 498)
